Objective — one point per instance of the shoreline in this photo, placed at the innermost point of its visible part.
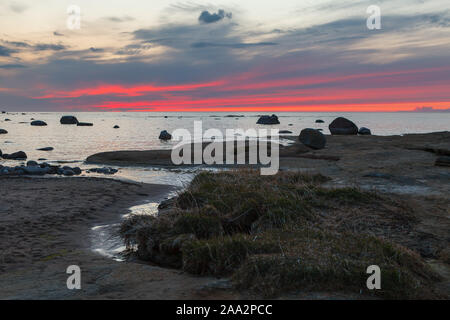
(46, 226)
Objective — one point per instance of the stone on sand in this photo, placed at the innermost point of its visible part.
(313, 138)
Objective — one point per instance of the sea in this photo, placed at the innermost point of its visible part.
(140, 131)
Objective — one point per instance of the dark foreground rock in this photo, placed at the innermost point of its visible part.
(343, 126)
(38, 123)
(3, 131)
(313, 138)
(364, 131)
(164, 135)
(268, 120)
(68, 120)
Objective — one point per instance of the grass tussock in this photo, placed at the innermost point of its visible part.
(282, 233)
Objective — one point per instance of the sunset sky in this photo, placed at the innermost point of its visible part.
(252, 55)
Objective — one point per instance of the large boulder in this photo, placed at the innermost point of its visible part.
(273, 119)
(84, 124)
(164, 135)
(364, 131)
(3, 131)
(312, 138)
(68, 120)
(343, 126)
(38, 123)
(20, 155)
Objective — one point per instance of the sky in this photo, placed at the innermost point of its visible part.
(252, 55)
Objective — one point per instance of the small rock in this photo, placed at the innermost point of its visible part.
(68, 173)
(116, 127)
(32, 163)
(364, 131)
(320, 121)
(313, 138)
(3, 131)
(343, 126)
(268, 120)
(84, 124)
(164, 135)
(46, 149)
(285, 131)
(7, 119)
(38, 123)
(68, 120)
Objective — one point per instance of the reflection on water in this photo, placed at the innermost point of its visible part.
(107, 242)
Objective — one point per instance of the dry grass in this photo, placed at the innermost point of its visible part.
(283, 233)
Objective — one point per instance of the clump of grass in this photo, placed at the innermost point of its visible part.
(283, 233)
(320, 260)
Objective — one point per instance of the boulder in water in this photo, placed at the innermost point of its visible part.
(164, 135)
(38, 123)
(68, 120)
(268, 120)
(20, 155)
(343, 126)
(312, 138)
(364, 131)
(85, 124)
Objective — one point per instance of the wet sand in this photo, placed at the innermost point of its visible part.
(46, 225)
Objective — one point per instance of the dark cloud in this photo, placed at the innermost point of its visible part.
(206, 17)
(18, 44)
(46, 46)
(12, 66)
(6, 52)
(92, 49)
(232, 45)
(120, 19)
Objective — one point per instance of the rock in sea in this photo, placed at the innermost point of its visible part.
(38, 123)
(20, 155)
(164, 135)
(273, 119)
(320, 121)
(46, 149)
(312, 138)
(116, 127)
(343, 126)
(68, 120)
(364, 131)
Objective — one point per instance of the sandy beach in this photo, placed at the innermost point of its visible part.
(46, 226)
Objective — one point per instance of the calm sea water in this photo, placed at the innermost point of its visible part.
(140, 131)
